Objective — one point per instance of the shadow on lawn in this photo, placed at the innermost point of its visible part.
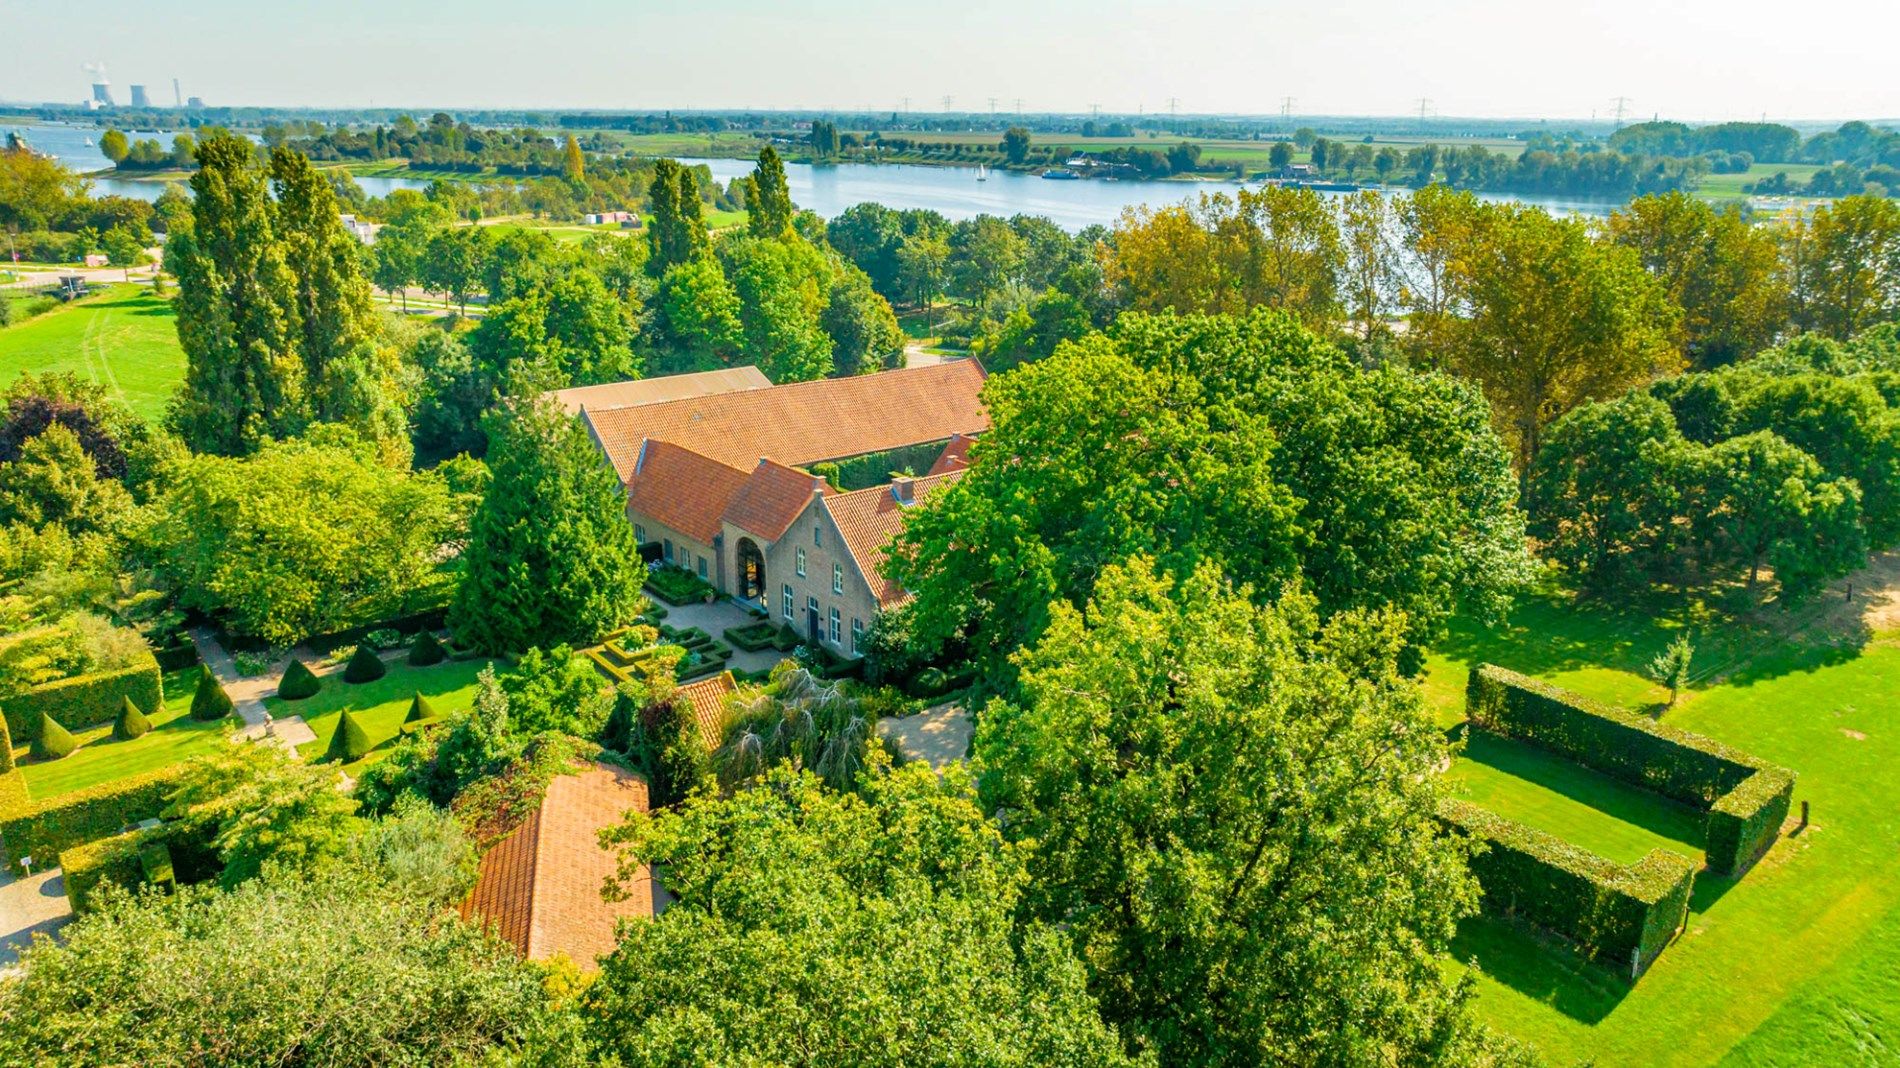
(1618, 800)
(1540, 967)
(1738, 639)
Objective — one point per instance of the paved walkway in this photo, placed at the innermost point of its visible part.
(247, 692)
(28, 905)
(938, 735)
(714, 618)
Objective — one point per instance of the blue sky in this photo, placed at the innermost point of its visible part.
(1692, 59)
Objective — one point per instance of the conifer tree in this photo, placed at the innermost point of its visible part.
(551, 557)
(332, 293)
(420, 709)
(679, 231)
(209, 701)
(298, 682)
(425, 650)
(55, 741)
(131, 722)
(573, 166)
(771, 207)
(350, 742)
(237, 310)
(364, 665)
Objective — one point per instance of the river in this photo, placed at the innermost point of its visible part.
(78, 147)
(829, 189)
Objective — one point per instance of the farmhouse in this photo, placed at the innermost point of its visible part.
(730, 484)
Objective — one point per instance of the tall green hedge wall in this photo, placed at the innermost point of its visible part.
(42, 829)
(1609, 910)
(84, 700)
(120, 859)
(1746, 798)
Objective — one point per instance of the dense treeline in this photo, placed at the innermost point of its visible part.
(49, 215)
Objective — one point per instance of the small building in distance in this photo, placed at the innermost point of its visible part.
(628, 220)
(363, 231)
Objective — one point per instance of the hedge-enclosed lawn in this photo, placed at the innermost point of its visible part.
(175, 737)
(380, 705)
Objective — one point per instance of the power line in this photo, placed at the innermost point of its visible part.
(1622, 105)
(947, 99)
(1286, 107)
(1424, 106)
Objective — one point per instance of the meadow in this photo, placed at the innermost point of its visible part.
(123, 339)
(1797, 962)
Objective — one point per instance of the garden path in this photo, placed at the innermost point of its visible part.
(28, 905)
(714, 619)
(937, 736)
(247, 692)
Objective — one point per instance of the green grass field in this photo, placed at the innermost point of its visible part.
(123, 339)
(174, 737)
(380, 705)
(1796, 963)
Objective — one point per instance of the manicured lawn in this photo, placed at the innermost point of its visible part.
(1796, 963)
(380, 705)
(1581, 806)
(174, 737)
(122, 338)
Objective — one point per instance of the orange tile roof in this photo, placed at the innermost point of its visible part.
(955, 457)
(869, 518)
(707, 699)
(664, 388)
(681, 488)
(771, 498)
(802, 423)
(539, 889)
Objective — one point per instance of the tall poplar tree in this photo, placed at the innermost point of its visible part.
(678, 234)
(332, 292)
(551, 557)
(771, 207)
(237, 310)
(573, 166)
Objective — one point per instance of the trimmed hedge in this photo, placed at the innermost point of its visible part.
(1746, 798)
(131, 722)
(364, 666)
(350, 742)
(420, 709)
(753, 637)
(677, 586)
(43, 829)
(84, 700)
(425, 651)
(299, 682)
(117, 858)
(1624, 916)
(6, 747)
(209, 701)
(54, 742)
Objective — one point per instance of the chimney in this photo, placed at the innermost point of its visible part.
(903, 487)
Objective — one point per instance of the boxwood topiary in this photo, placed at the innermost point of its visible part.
(350, 742)
(131, 722)
(54, 741)
(425, 650)
(298, 682)
(419, 710)
(209, 701)
(364, 666)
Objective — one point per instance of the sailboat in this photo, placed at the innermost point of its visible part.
(982, 173)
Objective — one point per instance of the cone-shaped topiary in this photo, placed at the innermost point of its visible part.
(419, 710)
(298, 682)
(350, 742)
(425, 650)
(54, 741)
(210, 701)
(131, 722)
(364, 666)
(6, 747)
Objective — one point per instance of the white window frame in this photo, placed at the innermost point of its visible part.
(702, 566)
(837, 578)
(639, 534)
(837, 626)
(857, 634)
(799, 566)
(787, 606)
